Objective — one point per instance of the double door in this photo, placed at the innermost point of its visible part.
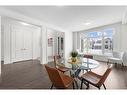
(22, 46)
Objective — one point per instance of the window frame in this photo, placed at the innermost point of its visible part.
(102, 36)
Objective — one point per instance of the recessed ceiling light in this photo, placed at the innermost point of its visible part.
(23, 23)
(87, 23)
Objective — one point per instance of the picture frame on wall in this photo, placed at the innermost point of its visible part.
(50, 42)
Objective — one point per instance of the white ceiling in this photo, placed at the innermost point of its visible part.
(71, 18)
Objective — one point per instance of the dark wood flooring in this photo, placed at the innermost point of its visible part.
(32, 75)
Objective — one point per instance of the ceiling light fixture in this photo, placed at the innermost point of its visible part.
(23, 23)
(87, 23)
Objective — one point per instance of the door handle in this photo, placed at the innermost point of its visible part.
(22, 49)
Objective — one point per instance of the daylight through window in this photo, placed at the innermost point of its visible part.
(97, 42)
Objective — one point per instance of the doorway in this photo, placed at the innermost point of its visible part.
(22, 41)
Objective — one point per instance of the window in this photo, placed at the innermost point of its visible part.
(97, 42)
(108, 46)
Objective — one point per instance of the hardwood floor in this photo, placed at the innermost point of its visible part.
(32, 75)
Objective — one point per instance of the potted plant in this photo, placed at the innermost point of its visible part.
(74, 55)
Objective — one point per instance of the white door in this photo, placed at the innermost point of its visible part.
(28, 48)
(17, 43)
(21, 43)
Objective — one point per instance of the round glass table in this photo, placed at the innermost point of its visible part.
(83, 64)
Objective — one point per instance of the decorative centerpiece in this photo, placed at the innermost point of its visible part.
(74, 60)
(74, 55)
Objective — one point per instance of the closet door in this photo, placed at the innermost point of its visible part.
(28, 47)
(21, 43)
(18, 43)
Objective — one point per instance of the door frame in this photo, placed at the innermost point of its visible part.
(11, 61)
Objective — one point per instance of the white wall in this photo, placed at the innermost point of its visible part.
(2, 42)
(68, 44)
(44, 45)
(123, 39)
(37, 43)
(0, 48)
(6, 38)
(75, 40)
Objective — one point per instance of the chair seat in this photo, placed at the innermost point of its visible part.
(62, 69)
(91, 77)
(114, 60)
(95, 79)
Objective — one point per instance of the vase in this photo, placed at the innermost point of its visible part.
(73, 59)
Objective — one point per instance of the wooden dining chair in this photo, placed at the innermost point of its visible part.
(58, 79)
(95, 79)
(58, 66)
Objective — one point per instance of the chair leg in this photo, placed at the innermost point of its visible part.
(87, 86)
(116, 64)
(107, 62)
(83, 71)
(73, 85)
(76, 84)
(81, 84)
(122, 64)
(104, 86)
(51, 86)
(70, 73)
(87, 70)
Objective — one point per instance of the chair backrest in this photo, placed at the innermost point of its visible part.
(122, 55)
(105, 75)
(55, 76)
(57, 60)
(88, 56)
(118, 55)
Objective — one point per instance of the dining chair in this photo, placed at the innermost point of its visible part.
(95, 79)
(58, 65)
(116, 58)
(58, 79)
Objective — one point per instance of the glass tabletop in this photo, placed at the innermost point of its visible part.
(84, 64)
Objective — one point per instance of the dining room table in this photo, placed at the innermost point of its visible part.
(81, 64)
